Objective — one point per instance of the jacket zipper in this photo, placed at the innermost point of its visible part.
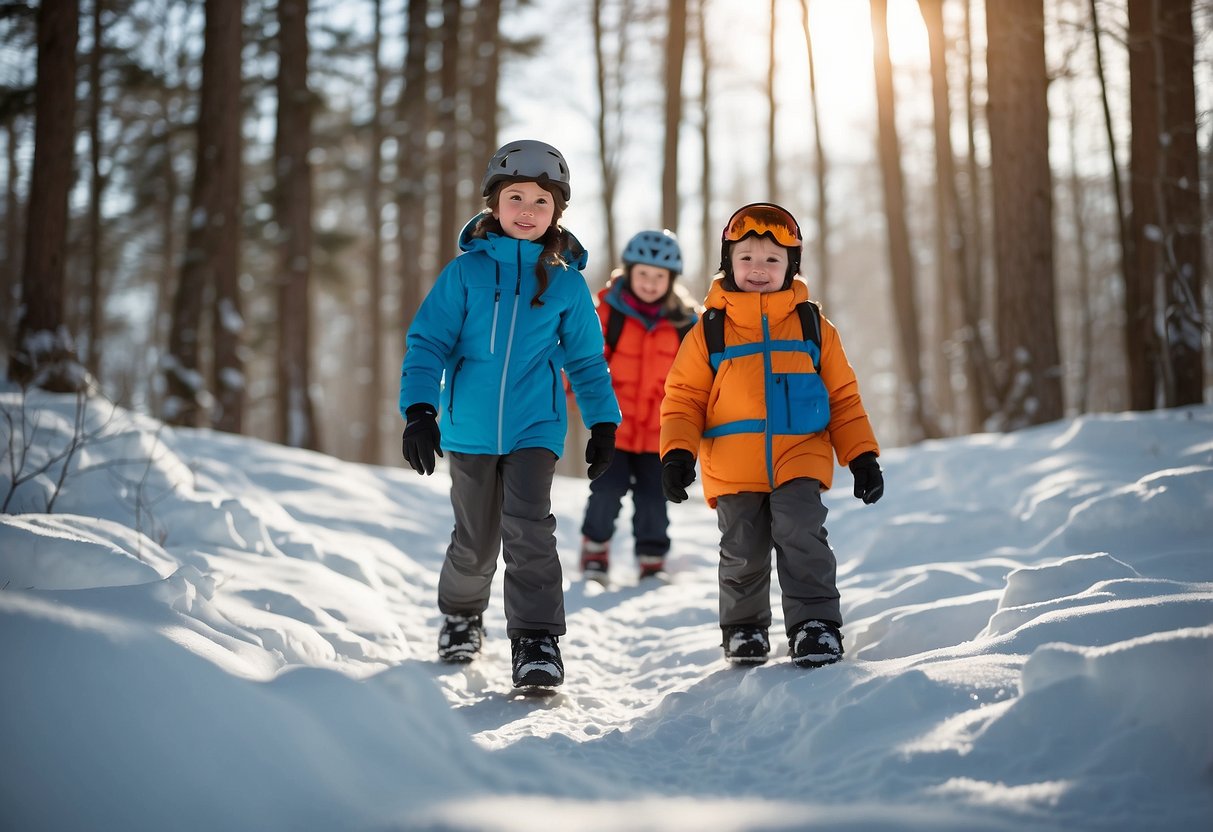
(496, 308)
(450, 407)
(768, 371)
(509, 349)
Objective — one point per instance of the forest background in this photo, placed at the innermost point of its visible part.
(225, 213)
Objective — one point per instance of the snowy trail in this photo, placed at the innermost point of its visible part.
(622, 658)
(1029, 627)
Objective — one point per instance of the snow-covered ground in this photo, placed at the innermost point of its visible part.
(208, 632)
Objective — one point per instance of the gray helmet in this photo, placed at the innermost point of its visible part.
(527, 159)
(654, 248)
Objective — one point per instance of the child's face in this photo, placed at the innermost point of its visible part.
(759, 265)
(525, 210)
(650, 283)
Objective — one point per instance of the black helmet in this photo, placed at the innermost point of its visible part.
(527, 159)
(763, 219)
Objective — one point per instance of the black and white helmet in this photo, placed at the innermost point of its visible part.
(527, 159)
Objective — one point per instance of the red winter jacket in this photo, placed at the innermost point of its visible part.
(640, 362)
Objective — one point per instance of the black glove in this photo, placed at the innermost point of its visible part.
(421, 437)
(869, 482)
(677, 472)
(600, 450)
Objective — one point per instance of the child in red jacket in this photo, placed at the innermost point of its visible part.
(643, 319)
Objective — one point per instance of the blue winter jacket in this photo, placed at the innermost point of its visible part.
(490, 362)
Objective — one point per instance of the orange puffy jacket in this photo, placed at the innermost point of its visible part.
(639, 363)
(748, 398)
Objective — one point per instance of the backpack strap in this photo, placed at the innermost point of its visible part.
(615, 321)
(810, 328)
(614, 328)
(713, 336)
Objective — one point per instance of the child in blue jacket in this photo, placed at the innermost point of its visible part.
(486, 350)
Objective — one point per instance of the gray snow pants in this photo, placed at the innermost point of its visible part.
(792, 519)
(504, 504)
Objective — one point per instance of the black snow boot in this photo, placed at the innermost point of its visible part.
(746, 644)
(536, 659)
(460, 639)
(815, 644)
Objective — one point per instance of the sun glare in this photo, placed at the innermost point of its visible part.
(842, 54)
(842, 47)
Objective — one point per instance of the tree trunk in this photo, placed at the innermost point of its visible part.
(1126, 254)
(608, 114)
(92, 356)
(185, 393)
(296, 417)
(821, 291)
(411, 166)
(1142, 345)
(711, 243)
(983, 397)
(1078, 199)
(44, 355)
(219, 132)
(901, 261)
(10, 281)
(1165, 175)
(486, 76)
(1023, 213)
(448, 126)
(212, 240)
(165, 322)
(950, 249)
(772, 112)
(674, 55)
(373, 346)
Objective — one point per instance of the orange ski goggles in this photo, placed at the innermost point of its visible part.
(763, 219)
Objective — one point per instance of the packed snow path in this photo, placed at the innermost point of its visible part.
(209, 632)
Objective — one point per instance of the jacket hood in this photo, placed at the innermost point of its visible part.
(679, 305)
(503, 248)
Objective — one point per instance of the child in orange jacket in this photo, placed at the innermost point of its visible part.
(643, 319)
(766, 416)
